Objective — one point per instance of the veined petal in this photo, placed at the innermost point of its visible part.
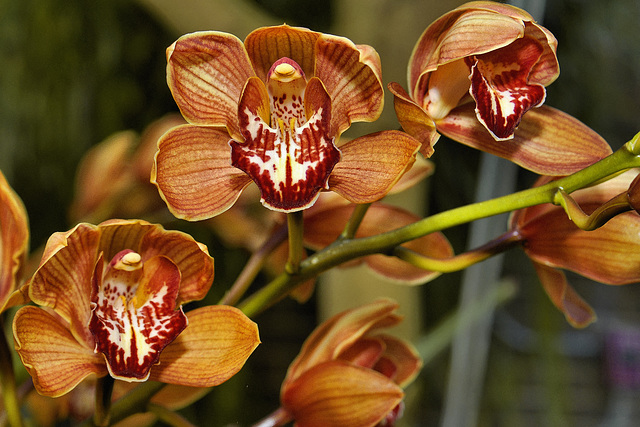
(193, 173)
(56, 361)
(192, 258)
(577, 312)
(339, 332)
(372, 164)
(547, 69)
(289, 164)
(340, 394)
(547, 142)
(63, 280)
(14, 240)
(134, 313)
(206, 72)
(355, 89)
(500, 86)
(609, 254)
(458, 34)
(268, 44)
(414, 120)
(213, 348)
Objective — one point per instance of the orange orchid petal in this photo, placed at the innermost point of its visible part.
(193, 172)
(414, 120)
(365, 352)
(206, 72)
(340, 394)
(14, 240)
(609, 254)
(214, 347)
(404, 357)
(458, 34)
(577, 312)
(325, 226)
(56, 361)
(63, 280)
(339, 332)
(372, 164)
(547, 142)
(421, 169)
(266, 45)
(354, 86)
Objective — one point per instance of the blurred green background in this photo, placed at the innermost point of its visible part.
(73, 72)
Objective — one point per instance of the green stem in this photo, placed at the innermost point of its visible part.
(104, 390)
(344, 250)
(8, 382)
(461, 261)
(295, 222)
(168, 416)
(599, 217)
(354, 222)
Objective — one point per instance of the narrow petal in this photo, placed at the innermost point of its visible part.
(372, 164)
(56, 361)
(289, 164)
(63, 281)
(338, 333)
(135, 315)
(340, 394)
(193, 172)
(192, 258)
(500, 86)
(355, 89)
(213, 348)
(547, 142)
(268, 44)
(609, 254)
(206, 72)
(577, 312)
(547, 69)
(14, 240)
(414, 120)
(324, 227)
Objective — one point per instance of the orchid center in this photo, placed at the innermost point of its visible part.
(134, 315)
(288, 150)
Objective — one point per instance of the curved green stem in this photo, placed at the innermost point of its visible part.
(461, 261)
(344, 250)
(354, 222)
(8, 383)
(599, 217)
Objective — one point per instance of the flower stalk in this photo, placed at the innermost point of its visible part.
(8, 384)
(104, 390)
(295, 222)
(627, 157)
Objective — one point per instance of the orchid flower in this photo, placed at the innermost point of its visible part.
(350, 374)
(14, 244)
(473, 75)
(110, 303)
(271, 110)
(609, 254)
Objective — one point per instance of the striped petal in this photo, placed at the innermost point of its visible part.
(213, 348)
(547, 142)
(206, 72)
(56, 361)
(372, 164)
(340, 394)
(193, 172)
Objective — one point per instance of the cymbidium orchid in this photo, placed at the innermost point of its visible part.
(473, 75)
(609, 254)
(350, 374)
(111, 300)
(272, 110)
